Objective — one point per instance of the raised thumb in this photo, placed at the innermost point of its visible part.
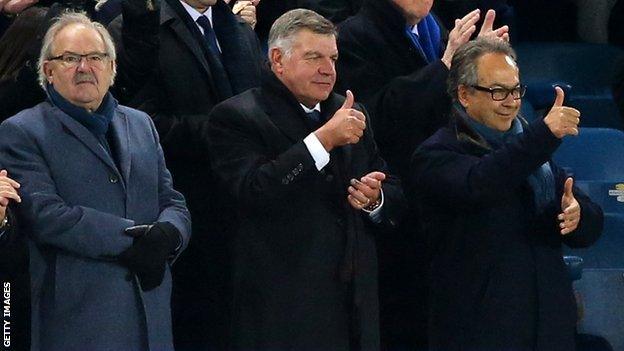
(559, 98)
(348, 103)
(567, 187)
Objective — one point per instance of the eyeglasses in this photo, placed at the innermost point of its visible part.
(500, 94)
(71, 59)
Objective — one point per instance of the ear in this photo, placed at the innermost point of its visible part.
(462, 95)
(276, 57)
(47, 70)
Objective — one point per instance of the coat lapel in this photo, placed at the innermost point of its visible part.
(84, 135)
(168, 15)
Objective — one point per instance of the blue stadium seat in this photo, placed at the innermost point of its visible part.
(602, 292)
(588, 69)
(596, 154)
(608, 251)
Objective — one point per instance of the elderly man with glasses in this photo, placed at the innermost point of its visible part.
(497, 210)
(98, 206)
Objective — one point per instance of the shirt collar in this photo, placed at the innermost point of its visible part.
(308, 110)
(196, 14)
(415, 29)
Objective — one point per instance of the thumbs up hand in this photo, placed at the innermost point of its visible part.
(562, 120)
(571, 215)
(345, 127)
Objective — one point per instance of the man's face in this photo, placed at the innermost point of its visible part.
(309, 71)
(85, 83)
(494, 71)
(200, 5)
(414, 10)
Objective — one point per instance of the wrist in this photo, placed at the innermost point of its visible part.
(373, 205)
(323, 139)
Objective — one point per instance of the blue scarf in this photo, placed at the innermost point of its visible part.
(96, 122)
(542, 181)
(427, 42)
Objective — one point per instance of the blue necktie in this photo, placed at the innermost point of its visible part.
(209, 35)
(314, 115)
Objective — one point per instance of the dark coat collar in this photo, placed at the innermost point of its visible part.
(385, 14)
(283, 107)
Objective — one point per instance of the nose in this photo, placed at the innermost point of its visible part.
(83, 65)
(327, 67)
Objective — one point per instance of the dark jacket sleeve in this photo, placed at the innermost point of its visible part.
(135, 33)
(241, 159)
(451, 176)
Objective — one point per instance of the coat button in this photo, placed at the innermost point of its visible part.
(113, 178)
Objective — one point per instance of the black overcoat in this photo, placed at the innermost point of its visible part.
(305, 267)
(498, 280)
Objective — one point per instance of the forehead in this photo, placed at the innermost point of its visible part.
(306, 41)
(78, 38)
(497, 68)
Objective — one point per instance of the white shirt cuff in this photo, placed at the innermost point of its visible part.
(317, 151)
(375, 215)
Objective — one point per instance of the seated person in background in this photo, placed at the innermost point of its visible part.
(98, 205)
(497, 210)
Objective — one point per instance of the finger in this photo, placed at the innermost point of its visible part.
(488, 22)
(567, 187)
(354, 203)
(357, 123)
(3, 177)
(505, 37)
(371, 182)
(359, 195)
(10, 195)
(466, 24)
(348, 103)
(470, 16)
(571, 111)
(358, 114)
(364, 188)
(4, 202)
(380, 176)
(499, 32)
(559, 98)
(467, 34)
(3, 173)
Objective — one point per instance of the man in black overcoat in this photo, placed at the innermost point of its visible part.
(497, 211)
(395, 56)
(312, 191)
(177, 68)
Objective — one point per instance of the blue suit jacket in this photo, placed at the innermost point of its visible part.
(76, 203)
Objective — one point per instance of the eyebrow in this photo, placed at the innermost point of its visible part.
(504, 85)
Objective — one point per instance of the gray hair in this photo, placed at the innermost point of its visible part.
(289, 24)
(64, 20)
(464, 64)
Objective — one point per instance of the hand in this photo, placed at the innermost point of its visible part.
(147, 257)
(562, 120)
(460, 34)
(345, 127)
(247, 10)
(365, 191)
(487, 31)
(8, 192)
(15, 6)
(571, 215)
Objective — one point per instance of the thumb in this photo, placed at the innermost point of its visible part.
(567, 187)
(348, 103)
(3, 173)
(380, 176)
(559, 98)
